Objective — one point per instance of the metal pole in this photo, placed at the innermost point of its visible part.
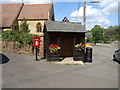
(36, 54)
(84, 15)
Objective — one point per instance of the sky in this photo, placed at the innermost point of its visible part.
(104, 13)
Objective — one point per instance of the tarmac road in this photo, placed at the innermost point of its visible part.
(21, 71)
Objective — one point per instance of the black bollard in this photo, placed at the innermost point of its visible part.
(88, 54)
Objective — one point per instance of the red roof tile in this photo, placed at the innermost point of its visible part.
(35, 11)
(9, 13)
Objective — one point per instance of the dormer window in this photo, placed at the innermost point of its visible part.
(65, 20)
(39, 27)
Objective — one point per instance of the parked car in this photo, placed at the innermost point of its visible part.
(116, 56)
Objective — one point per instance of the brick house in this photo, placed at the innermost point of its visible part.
(10, 13)
(35, 15)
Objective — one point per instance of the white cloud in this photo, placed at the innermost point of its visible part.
(90, 12)
(104, 3)
(109, 6)
(94, 16)
(112, 8)
(98, 16)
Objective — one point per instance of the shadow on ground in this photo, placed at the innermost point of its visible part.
(116, 61)
(3, 59)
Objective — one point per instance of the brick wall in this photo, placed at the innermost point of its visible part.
(10, 47)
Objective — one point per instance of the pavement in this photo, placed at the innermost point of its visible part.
(22, 71)
(69, 61)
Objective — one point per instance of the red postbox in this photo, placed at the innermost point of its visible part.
(36, 41)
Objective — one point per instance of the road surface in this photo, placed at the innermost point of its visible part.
(22, 71)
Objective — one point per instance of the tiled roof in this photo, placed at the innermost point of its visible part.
(9, 14)
(35, 11)
(53, 26)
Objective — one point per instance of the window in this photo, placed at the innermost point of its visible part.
(39, 27)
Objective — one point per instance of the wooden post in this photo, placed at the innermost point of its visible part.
(84, 15)
(74, 42)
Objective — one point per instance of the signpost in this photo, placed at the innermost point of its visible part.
(36, 43)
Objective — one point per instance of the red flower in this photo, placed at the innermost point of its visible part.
(54, 48)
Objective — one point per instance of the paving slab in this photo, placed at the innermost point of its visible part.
(69, 61)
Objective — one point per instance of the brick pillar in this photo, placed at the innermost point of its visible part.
(41, 48)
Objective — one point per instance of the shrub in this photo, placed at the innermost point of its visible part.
(19, 36)
(24, 27)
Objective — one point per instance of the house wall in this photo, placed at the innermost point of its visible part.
(32, 26)
(6, 29)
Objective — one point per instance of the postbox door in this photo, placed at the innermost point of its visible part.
(36, 41)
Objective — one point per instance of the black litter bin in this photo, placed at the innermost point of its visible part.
(88, 57)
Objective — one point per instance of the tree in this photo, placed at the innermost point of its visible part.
(98, 34)
(112, 33)
(24, 27)
(119, 33)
